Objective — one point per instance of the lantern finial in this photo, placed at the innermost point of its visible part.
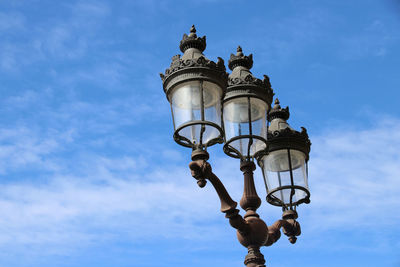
(240, 60)
(278, 112)
(192, 31)
(239, 52)
(192, 41)
(277, 106)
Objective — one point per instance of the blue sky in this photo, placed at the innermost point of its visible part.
(90, 174)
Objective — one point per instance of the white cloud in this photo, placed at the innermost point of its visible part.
(23, 148)
(67, 39)
(375, 39)
(353, 179)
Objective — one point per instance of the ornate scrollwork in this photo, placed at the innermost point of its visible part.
(288, 132)
(289, 138)
(248, 79)
(201, 62)
(243, 81)
(240, 60)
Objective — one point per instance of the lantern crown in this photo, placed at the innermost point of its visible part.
(192, 41)
(241, 82)
(240, 60)
(278, 112)
(193, 65)
(281, 136)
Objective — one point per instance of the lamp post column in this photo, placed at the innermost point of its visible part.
(258, 233)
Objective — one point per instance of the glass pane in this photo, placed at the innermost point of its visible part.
(277, 179)
(236, 110)
(186, 107)
(236, 122)
(276, 167)
(299, 194)
(279, 161)
(193, 133)
(299, 174)
(185, 101)
(212, 102)
(284, 195)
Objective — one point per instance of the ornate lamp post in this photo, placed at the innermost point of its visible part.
(210, 107)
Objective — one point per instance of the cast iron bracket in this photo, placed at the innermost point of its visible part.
(252, 232)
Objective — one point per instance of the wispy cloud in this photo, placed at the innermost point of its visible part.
(354, 176)
(375, 39)
(353, 179)
(51, 38)
(23, 148)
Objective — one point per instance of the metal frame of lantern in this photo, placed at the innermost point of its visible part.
(246, 90)
(193, 66)
(252, 231)
(281, 137)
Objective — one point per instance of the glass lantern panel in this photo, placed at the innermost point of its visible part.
(237, 123)
(277, 179)
(212, 108)
(284, 195)
(277, 171)
(186, 103)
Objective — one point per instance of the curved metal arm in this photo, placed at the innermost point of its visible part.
(252, 232)
(291, 228)
(202, 170)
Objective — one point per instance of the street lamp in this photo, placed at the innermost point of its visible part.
(210, 107)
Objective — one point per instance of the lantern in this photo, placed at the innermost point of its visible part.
(245, 106)
(194, 86)
(284, 162)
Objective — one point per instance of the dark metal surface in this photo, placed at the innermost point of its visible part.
(201, 170)
(233, 152)
(277, 202)
(291, 228)
(183, 141)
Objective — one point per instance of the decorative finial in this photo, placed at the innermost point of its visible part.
(192, 31)
(240, 59)
(267, 82)
(192, 41)
(239, 51)
(277, 106)
(278, 112)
